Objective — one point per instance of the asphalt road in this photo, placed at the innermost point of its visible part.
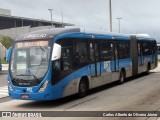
(139, 94)
(3, 78)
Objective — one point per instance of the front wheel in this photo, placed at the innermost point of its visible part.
(122, 77)
(82, 88)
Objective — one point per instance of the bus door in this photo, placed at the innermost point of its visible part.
(140, 57)
(114, 57)
(95, 67)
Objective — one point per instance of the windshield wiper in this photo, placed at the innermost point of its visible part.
(35, 77)
(22, 75)
(42, 48)
(29, 75)
(39, 64)
(15, 78)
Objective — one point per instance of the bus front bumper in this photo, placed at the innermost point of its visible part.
(33, 96)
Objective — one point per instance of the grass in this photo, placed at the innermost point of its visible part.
(3, 62)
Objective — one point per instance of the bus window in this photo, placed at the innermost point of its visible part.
(66, 55)
(146, 48)
(80, 54)
(126, 49)
(66, 60)
(91, 51)
(121, 50)
(139, 47)
(105, 51)
(154, 47)
(21, 60)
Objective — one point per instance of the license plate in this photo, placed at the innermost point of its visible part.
(25, 96)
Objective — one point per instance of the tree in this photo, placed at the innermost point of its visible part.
(6, 41)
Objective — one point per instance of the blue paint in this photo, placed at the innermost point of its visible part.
(56, 91)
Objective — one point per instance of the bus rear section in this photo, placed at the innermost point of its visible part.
(143, 54)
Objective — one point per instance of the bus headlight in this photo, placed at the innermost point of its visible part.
(10, 87)
(43, 87)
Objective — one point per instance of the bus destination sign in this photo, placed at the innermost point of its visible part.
(33, 43)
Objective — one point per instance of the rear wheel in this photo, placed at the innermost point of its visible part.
(82, 88)
(122, 77)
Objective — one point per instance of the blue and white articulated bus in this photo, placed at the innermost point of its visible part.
(54, 63)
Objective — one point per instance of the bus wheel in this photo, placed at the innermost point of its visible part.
(122, 77)
(82, 88)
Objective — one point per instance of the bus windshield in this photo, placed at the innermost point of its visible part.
(30, 61)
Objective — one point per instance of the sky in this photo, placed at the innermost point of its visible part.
(138, 16)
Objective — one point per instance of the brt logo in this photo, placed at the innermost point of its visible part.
(27, 72)
(107, 66)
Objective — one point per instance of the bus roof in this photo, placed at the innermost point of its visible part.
(51, 33)
(46, 33)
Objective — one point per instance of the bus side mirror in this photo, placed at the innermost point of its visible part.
(56, 53)
(8, 54)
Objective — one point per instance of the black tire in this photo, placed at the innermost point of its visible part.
(82, 88)
(121, 77)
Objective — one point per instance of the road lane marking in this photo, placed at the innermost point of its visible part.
(79, 103)
(4, 91)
